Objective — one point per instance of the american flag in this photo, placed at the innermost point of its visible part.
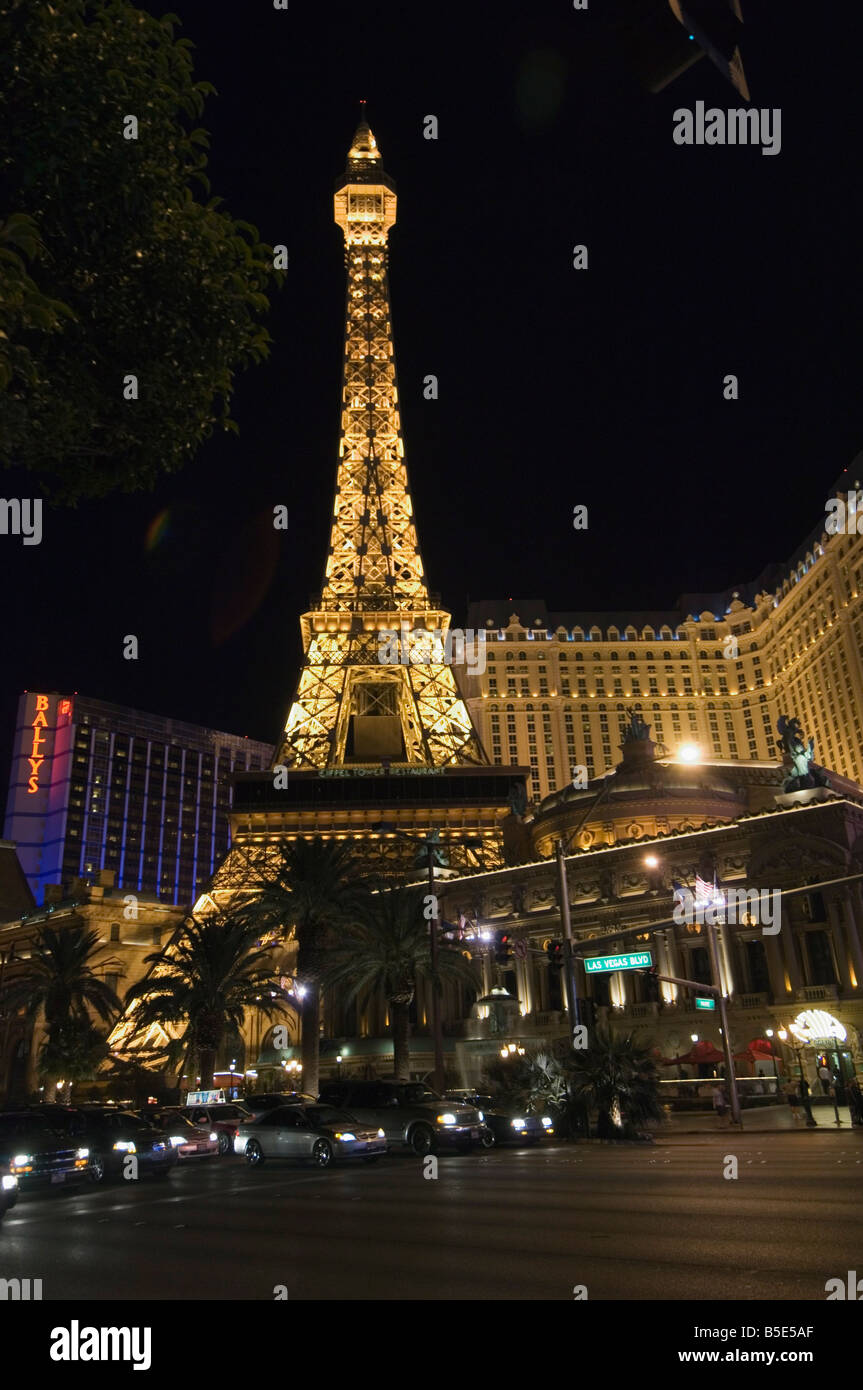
(708, 894)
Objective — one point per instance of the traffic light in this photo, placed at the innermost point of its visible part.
(554, 951)
(503, 947)
(651, 984)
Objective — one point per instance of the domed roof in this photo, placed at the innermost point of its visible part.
(641, 787)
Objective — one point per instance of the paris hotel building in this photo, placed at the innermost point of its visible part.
(716, 671)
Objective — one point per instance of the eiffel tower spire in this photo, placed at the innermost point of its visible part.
(359, 697)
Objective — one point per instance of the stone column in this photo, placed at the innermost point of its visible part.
(776, 970)
(835, 916)
(791, 950)
(853, 924)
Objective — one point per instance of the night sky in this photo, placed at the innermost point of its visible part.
(557, 387)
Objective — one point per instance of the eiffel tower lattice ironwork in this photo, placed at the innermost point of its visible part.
(375, 683)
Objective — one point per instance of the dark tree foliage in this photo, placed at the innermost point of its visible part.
(114, 259)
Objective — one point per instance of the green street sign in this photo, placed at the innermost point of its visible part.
(630, 960)
(705, 1003)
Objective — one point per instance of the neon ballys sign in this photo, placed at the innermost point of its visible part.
(37, 757)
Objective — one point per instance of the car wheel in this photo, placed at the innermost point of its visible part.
(422, 1140)
(254, 1153)
(98, 1168)
(488, 1141)
(224, 1145)
(322, 1153)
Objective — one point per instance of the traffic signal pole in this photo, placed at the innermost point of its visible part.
(568, 957)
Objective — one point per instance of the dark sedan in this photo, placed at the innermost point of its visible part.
(34, 1154)
(507, 1122)
(113, 1137)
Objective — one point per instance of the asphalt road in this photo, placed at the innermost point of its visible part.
(652, 1222)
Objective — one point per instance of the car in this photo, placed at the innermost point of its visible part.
(111, 1135)
(222, 1118)
(8, 1192)
(321, 1133)
(34, 1154)
(273, 1100)
(410, 1114)
(507, 1122)
(189, 1140)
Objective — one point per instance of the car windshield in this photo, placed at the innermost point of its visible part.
(12, 1125)
(328, 1115)
(416, 1092)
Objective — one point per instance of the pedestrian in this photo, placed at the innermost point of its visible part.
(826, 1078)
(792, 1095)
(855, 1101)
(806, 1102)
(720, 1102)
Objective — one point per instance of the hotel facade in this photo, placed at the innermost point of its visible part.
(96, 786)
(716, 671)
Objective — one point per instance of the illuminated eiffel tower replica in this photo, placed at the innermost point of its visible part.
(378, 731)
(381, 753)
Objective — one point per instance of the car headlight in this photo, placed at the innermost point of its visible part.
(481, 1116)
(447, 1118)
(213, 1137)
(126, 1146)
(517, 1124)
(22, 1161)
(9, 1182)
(381, 1134)
(546, 1122)
(177, 1139)
(82, 1153)
(345, 1134)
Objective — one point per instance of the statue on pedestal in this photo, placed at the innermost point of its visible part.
(798, 757)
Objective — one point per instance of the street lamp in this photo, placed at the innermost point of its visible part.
(768, 1033)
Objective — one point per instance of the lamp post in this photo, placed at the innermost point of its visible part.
(768, 1033)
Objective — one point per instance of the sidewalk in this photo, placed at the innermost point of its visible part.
(771, 1119)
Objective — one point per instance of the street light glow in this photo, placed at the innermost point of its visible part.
(689, 753)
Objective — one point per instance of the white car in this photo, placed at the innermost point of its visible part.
(316, 1132)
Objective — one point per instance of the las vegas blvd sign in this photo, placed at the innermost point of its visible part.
(630, 960)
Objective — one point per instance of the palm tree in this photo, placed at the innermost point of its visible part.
(58, 977)
(389, 948)
(617, 1077)
(73, 1053)
(203, 982)
(313, 886)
